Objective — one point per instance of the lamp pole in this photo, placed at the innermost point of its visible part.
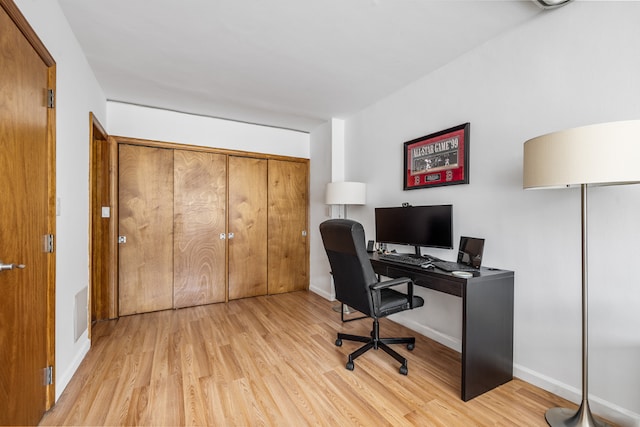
(563, 417)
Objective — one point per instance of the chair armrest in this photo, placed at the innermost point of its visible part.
(376, 288)
(389, 283)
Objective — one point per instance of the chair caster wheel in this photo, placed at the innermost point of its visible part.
(410, 347)
(404, 370)
(339, 342)
(350, 366)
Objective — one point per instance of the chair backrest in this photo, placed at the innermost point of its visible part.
(344, 242)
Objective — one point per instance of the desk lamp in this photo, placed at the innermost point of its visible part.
(345, 193)
(602, 154)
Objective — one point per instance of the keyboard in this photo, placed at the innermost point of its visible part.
(406, 259)
(453, 266)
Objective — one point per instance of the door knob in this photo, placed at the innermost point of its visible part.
(10, 266)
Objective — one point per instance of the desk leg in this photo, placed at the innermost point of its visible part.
(487, 336)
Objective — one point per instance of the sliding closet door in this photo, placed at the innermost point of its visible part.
(288, 242)
(200, 196)
(247, 227)
(145, 261)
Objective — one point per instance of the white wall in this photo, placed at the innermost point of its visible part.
(320, 175)
(78, 93)
(573, 66)
(170, 126)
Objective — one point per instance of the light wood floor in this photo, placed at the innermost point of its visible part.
(272, 361)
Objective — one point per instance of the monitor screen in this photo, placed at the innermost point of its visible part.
(426, 226)
(470, 251)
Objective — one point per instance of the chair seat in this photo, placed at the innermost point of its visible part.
(393, 301)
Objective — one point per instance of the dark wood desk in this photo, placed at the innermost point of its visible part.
(487, 320)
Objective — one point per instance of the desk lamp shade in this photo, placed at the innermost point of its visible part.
(604, 154)
(346, 193)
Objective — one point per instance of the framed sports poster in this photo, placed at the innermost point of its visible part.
(438, 159)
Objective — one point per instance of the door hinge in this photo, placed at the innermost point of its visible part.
(48, 375)
(48, 243)
(51, 98)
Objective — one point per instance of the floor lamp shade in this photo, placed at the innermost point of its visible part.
(607, 153)
(604, 154)
(346, 193)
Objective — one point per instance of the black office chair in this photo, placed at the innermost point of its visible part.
(358, 287)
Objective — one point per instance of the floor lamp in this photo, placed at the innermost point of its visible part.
(345, 193)
(603, 154)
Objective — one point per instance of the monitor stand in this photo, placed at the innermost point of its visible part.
(416, 253)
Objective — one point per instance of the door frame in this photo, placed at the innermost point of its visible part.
(102, 248)
(30, 35)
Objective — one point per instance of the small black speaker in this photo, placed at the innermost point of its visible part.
(370, 246)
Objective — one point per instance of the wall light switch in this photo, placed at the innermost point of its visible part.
(106, 212)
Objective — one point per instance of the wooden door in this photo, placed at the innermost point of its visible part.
(288, 266)
(199, 251)
(145, 219)
(27, 214)
(247, 181)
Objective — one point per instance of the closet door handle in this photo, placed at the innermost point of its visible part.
(10, 266)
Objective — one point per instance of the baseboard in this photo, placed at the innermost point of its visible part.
(63, 380)
(600, 407)
(323, 293)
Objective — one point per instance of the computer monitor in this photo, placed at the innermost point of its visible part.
(418, 226)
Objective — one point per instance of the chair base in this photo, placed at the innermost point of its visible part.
(375, 342)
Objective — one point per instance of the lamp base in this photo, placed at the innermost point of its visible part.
(563, 417)
(345, 308)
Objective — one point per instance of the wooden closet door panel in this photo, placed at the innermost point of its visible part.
(146, 220)
(200, 199)
(248, 222)
(288, 267)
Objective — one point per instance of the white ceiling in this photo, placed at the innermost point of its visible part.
(286, 63)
